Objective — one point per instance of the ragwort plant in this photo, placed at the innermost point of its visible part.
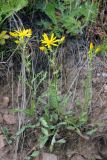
(55, 117)
(51, 121)
(73, 122)
(86, 106)
(87, 89)
(22, 37)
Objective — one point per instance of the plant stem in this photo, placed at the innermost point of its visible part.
(23, 70)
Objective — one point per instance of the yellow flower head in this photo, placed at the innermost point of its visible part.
(98, 49)
(3, 37)
(21, 34)
(91, 46)
(49, 42)
(42, 48)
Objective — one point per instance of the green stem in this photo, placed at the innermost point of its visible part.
(23, 70)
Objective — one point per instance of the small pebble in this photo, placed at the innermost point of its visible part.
(98, 74)
(48, 156)
(6, 101)
(105, 88)
(104, 75)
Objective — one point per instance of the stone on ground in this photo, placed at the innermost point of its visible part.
(48, 156)
(9, 119)
(2, 142)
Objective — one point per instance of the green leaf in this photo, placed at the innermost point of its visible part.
(83, 118)
(24, 128)
(61, 124)
(91, 132)
(7, 8)
(61, 141)
(40, 4)
(52, 143)
(28, 158)
(43, 122)
(35, 154)
(70, 128)
(9, 141)
(2, 41)
(45, 131)
(21, 131)
(42, 141)
(72, 25)
(20, 4)
(52, 127)
(50, 11)
(31, 111)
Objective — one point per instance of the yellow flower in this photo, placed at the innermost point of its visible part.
(91, 46)
(21, 34)
(98, 49)
(42, 48)
(13, 34)
(62, 39)
(49, 42)
(3, 37)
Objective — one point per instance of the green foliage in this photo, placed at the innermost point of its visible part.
(71, 24)
(55, 118)
(33, 155)
(78, 17)
(87, 84)
(3, 37)
(49, 131)
(50, 12)
(103, 47)
(28, 111)
(22, 130)
(53, 95)
(9, 7)
(69, 15)
(6, 134)
(51, 120)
